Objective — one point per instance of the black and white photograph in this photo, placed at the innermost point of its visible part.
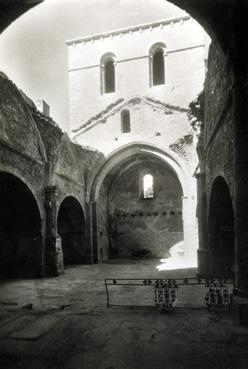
(123, 184)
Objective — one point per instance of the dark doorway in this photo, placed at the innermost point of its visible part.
(221, 229)
(20, 229)
(71, 228)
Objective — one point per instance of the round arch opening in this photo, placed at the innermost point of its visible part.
(20, 229)
(178, 215)
(72, 230)
(221, 229)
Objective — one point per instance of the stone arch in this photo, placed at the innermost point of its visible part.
(21, 250)
(107, 56)
(221, 229)
(156, 46)
(121, 159)
(170, 158)
(72, 230)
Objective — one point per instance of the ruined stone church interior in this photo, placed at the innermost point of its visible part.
(123, 227)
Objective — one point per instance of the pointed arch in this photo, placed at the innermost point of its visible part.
(72, 230)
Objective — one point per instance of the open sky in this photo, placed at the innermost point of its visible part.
(33, 52)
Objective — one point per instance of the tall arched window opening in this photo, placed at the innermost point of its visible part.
(125, 121)
(108, 73)
(148, 187)
(157, 67)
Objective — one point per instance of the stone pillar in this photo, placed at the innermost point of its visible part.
(203, 250)
(190, 231)
(93, 232)
(240, 99)
(89, 233)
(240, 116)
(54, 254)
(240, 299)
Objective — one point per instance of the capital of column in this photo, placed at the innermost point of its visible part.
(200, 175)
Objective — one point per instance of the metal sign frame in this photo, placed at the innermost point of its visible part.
(166, 290)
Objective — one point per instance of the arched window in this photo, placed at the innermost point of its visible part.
(108, 73)
(157, 74)
(148, 190)
(125, 121)
(109, 76)
(158, 68)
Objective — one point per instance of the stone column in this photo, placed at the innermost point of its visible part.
(89, 233)
(190, 231)
(203, 250)
(54, 255)
(240, 97)
(240, 116)
(240, 299)
(93, 232)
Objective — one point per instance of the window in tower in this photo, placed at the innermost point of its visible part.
(108, 64)
(157, 67)
(125, 121)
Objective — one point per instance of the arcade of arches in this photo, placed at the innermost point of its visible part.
(53, 174)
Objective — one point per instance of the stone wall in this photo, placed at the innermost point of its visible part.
(183, 41)
(218, 125)
(103, 223)
(216, 148)
(151, 121)
(158, 119)
(41, 162)
(145, 227)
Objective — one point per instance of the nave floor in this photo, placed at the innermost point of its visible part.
(63, 323)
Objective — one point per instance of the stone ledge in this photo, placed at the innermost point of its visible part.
(131, 29)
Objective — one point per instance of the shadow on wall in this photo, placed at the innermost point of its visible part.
(145, 226)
